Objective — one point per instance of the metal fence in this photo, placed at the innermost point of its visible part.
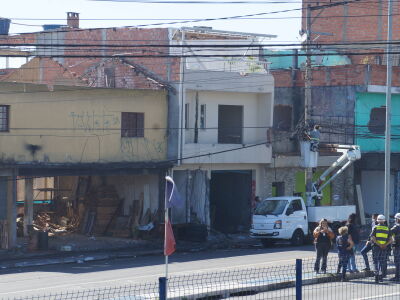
(290, 281)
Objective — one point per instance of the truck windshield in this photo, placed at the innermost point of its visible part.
(271, 207)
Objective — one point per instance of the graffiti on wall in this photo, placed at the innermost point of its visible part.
(91, 120)
(143, 148)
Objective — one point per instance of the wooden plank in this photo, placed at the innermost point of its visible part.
(360, 204)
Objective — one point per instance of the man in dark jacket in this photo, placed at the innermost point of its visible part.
(355, 236)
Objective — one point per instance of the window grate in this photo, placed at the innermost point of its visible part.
(132, 124)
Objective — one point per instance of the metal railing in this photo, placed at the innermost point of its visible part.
(298, 280)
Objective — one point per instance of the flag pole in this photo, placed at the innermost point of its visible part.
(166, 217)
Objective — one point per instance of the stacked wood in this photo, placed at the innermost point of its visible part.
(3, 234)
(107, 202)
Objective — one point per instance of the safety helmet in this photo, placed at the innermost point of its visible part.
(381, 218)
(397, 216)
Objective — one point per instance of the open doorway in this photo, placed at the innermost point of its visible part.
(230, 205)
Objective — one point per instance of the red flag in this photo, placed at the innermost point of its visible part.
(169, 241)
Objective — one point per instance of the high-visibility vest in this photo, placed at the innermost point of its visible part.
(381, 234)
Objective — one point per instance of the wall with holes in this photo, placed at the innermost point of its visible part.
(370, 114)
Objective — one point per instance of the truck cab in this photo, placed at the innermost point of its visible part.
(280, 218)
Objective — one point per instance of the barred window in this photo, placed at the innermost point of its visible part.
(132, 124)
(4, 118)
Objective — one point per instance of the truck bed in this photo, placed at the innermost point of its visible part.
(331, 213)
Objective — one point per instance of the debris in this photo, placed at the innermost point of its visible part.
(66, 248)
(44, 222)
(147, 227)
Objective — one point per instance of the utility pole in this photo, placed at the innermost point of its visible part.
(307, 99)
(388, 124)
(308, 79)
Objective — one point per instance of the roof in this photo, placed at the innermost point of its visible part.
(88, 72)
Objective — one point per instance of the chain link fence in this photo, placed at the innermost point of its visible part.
(298, 280)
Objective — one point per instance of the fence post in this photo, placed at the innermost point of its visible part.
(299, 277)
(162, 288)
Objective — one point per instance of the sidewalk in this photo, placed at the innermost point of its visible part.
(20, 258)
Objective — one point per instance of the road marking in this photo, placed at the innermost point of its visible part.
(144, 276)
(376, 296)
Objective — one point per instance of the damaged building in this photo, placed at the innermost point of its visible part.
(82, 159)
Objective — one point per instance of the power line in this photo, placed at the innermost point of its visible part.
(127, 55)
(183, 22)
(188, 45)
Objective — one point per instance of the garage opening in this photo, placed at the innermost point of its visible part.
(230, 201)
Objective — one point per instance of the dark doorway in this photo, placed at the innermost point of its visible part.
(230, 124)
(278, 189)
(230, 206)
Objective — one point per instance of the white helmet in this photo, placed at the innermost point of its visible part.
(381, 218)
(397, 216)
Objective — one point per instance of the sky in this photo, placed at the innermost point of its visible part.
(33, 12)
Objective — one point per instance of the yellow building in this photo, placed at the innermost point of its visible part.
(73, 144)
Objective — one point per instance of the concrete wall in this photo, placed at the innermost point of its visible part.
(81, 125)
(342, 186)
(256, 114)
(367, 139)
(332, 107)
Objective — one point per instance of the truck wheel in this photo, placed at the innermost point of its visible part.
(297, 238)
(267, 242)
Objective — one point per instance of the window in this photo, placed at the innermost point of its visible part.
(109, 74)
(230, 124)
(283, 117)
(132, 124)
(296, 205)
(202, 116)
(4, 118)
(186, 115)
(271, 207)
(377, 119)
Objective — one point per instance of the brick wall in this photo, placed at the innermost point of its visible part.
(366, 21)
(359, 21)
(338, 75)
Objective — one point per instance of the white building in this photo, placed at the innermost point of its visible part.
(226, 112)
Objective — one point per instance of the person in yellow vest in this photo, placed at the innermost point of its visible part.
(381, 239)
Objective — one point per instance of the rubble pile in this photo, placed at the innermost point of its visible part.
(45, 222)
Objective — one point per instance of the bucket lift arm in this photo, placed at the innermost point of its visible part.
(349, 155)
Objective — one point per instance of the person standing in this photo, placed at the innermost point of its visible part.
(354, 233)
(381, 238)
(323, 236)
(395, 231)
(368, 244)
(345, 246)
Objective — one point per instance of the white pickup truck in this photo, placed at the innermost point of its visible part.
(288, 218)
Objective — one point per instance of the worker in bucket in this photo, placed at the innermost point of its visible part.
(381, 238)
(395, 231)
(368, 244)
(315, 136)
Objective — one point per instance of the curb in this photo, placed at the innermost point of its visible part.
(75, 259)
(81, 258)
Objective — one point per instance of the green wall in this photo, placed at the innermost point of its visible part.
(367, 140)
(301, 187)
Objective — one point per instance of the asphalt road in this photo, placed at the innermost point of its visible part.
(74, 277)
